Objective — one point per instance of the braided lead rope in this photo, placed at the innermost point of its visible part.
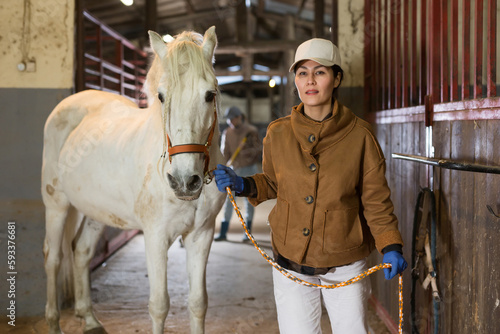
(313, 285)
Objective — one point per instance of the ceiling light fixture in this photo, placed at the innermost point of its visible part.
(127, 2)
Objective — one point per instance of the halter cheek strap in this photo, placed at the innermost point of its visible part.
(194, 148)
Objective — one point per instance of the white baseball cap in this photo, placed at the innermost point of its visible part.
(320, 50)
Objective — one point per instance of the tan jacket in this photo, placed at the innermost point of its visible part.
(333, 202)
(251, 151)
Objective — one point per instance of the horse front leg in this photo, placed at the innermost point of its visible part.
(85, 245)
(157, 244)
(197, 244)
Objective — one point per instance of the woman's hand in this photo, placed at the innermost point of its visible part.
(226, 177)
(397, 261)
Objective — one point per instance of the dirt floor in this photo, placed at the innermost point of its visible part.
(239, 288)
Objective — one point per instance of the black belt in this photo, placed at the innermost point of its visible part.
(306, 270)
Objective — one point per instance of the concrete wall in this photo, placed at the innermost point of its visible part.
(351, 42)
(40, 35)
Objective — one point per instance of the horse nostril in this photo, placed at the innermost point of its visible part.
(173, 183)
(194, 183)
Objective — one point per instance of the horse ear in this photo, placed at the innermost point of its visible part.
(157, 44)
(209, 43)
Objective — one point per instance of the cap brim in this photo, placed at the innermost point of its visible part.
(322, 61)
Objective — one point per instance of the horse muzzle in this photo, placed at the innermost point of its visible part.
(186, 187)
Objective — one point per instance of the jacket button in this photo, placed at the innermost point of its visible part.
(309, 199)
(312, 167)
(306, 232)
(311, 138)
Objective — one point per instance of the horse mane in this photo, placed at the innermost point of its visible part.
(184, 59)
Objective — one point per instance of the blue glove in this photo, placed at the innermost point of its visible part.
(226, 177)
(398, 264)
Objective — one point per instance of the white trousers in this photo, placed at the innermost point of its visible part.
(299, 307)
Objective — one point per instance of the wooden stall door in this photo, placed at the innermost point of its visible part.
(431, 91)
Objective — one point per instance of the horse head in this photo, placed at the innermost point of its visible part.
(182, 83)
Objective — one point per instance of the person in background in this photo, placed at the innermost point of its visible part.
(326, 169)
(242, 148)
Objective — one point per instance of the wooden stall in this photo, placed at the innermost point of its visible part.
(431, 87)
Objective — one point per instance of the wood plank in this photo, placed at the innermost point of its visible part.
(480, 234)
(462, 218)
(489, 258)
(442, 184)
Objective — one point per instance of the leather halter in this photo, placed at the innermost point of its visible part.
(195, 148)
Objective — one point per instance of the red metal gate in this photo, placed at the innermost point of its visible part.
(422, 52)
(107, 61)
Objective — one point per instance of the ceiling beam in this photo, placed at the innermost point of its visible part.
(176, 19)
(256, 47)
(151, 16)
(319, 18)
(225, 72)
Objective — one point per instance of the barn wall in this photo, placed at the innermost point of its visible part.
(467, 233)
(351, 43)
(27, 98)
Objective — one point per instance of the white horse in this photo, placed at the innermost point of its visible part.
(121, 166)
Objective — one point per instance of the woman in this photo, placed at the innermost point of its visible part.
(327, 171)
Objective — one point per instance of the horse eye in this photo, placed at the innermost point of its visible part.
(209, 96)
(161, 98)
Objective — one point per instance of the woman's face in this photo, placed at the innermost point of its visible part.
(315, 83)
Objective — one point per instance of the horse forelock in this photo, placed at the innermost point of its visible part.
(183, 66)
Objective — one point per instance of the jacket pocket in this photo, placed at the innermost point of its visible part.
(342, 230)
(278, 219)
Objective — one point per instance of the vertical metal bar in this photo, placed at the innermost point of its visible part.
(413, 54)
(491, 66)
(119, 62)
(391, 66)
(444, 53)
(376, 37)
(380, 73)
(397, 63)
(453, 62)
(335, 22)
(478, 50)
(405, 68)
(465, 48)
(434, 88)
(368, 91)
(99, 55)
(385, 67)
(423, 52)
(373, 51)
(80, 47)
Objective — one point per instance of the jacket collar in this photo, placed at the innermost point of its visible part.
(314, 136)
